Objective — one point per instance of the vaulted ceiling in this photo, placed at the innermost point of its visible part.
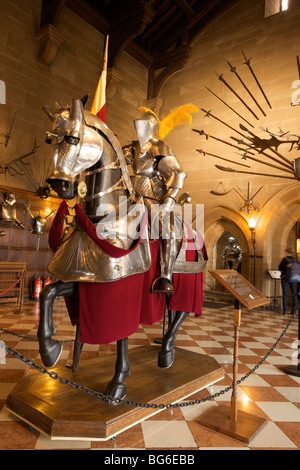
(157, 33)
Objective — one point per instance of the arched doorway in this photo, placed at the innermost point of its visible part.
(219, 222)
(221, 250)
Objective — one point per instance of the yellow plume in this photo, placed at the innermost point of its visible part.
(147, 110)
(175, 117)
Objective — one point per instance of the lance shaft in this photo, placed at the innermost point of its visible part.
(12, 123)
(247, 62)
(230, 107)
(222, 158)
(253, 173)
(269, 164)
(208, 113)
(233, 70)
(236, 94)
(208, 136)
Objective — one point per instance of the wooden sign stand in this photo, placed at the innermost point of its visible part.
(228, 420)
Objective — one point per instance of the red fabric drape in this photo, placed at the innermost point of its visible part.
(57, 226)
(188, 288)
(113, 310)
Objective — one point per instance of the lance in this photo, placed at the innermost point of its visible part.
(233, 70)
(209, 136)
(236, 94)
(246, 156)
(253, 173)
(230, 107)
(222, 158)
(288, 163)
(209, 114)
(261, 152)
(298, 65)
(256, 79)
(12, 123)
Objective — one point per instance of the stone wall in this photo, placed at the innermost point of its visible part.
(273, 44)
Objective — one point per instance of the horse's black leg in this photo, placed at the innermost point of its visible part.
(50, 350)
(116, 388)
(77, 350)
(166, 354)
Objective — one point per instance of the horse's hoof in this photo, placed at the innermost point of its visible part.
(52, 354)
(165, 359)
(116, 391)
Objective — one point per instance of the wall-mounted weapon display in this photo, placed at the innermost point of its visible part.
(247, 62)
(8, 135)
(8, 210)
(17, 166)
(248, 205)
(250, 145)
(220, 190)
(38, 223)
(35, 170)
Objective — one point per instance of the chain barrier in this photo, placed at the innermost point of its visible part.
(102, 396)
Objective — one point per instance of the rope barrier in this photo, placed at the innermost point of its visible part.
(11, 287)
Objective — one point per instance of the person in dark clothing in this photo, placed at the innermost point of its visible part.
(285, 283)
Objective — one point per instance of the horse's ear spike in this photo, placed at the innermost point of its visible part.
(84, 100)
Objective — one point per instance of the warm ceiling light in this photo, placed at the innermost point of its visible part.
(252, 223)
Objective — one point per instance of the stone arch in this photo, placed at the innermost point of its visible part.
(277, 218)
(217, 221)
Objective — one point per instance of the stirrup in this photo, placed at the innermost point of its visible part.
(162, 285)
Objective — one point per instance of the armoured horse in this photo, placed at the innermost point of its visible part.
(102, 269)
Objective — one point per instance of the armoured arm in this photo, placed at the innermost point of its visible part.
(170, 169)
(130, 152)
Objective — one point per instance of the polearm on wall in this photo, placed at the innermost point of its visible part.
(233, 70)
(247, 62)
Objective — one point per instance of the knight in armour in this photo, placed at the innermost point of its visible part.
(159, 177)
(232, 255)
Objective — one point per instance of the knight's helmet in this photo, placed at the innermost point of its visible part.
(231, 241)
(147, 126)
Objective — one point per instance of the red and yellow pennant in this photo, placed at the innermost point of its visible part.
(99, 104)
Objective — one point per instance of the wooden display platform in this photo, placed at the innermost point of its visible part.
(63, 412)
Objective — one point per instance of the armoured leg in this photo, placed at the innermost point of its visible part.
(50, 350)
(116, 388)
(166, 354)
(168, 258)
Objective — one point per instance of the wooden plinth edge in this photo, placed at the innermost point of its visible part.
(62, 412)
(244, 429)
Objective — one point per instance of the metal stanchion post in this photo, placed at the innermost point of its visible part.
(295, 370)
